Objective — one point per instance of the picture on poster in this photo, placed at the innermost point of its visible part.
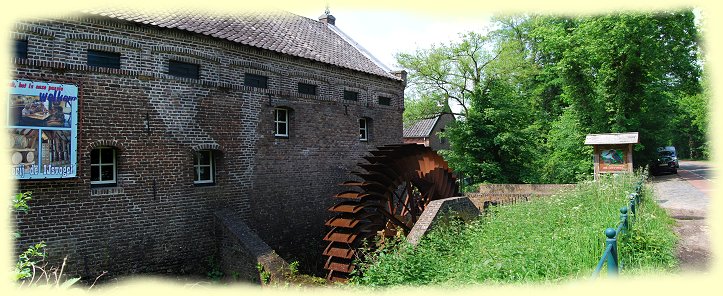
(613, 156)
(43, 129)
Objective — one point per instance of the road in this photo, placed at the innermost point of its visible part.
(686, 196)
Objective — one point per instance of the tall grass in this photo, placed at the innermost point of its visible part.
(548, 239)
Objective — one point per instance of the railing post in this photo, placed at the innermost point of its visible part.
(613, 256)
(624, 219)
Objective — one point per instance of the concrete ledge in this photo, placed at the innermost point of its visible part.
(461, 206)
(537, 189)
(496, 194)
(241, 250)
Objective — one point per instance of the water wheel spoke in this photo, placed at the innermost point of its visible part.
(398, 182)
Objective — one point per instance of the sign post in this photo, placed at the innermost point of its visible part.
(612, 153)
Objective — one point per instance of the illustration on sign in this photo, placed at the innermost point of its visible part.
(43, 129)
(612, 156)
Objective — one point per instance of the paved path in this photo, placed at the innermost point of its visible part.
(686, 196)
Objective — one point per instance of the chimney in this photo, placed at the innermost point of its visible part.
(401, 74)
(327, 18)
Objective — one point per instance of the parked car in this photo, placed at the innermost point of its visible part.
(673, 154)
(665, 162)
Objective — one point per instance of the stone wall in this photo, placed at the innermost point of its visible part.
(240, 251)
(155, 219)
(438, 210)
(495, 194)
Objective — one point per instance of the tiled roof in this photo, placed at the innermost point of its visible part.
(421, 128)
(277, 31)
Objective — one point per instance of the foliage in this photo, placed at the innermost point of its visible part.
(548, 239)
(28, 259)
(450, 72)
(264, 275)
(532, 88)
(30, 268)
(20, 201)
(650, 243)
(422, 108)
(294, 268)
(691, 123)
(566, 160)
(214, 274)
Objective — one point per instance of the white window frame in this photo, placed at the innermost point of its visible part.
(285, 121)
(364, 130)
(210, 165)
(100, 166)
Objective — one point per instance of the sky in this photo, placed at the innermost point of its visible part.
(386, 32)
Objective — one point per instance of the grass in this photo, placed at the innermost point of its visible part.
(548, 239)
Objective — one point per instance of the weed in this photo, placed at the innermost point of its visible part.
(294, 268)
(214, 274)
(264, 275)
(31, 268)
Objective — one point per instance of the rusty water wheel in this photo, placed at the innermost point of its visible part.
(394, 188)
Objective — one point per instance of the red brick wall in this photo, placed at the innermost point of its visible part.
(281, 187)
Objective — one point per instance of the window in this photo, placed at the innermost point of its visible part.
(363, 131)
(385, 101)
(308, 89)
(351, 95)
(182, 69)
(256, 80)
(21, 49)
(281, 122)
(203, 167)
(103, 167)
(104, 59)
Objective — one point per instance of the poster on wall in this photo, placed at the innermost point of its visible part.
(612, 160)
(43, 121)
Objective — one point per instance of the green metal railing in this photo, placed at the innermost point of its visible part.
(625, 225)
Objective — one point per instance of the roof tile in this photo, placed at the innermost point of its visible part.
(420, 129)
(278, 31)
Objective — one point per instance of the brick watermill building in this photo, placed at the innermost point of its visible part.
(153, 142)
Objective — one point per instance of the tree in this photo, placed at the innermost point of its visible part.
(532, 89)
(445, 75)
(621, 72)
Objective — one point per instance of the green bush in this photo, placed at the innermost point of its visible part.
(548, 239)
